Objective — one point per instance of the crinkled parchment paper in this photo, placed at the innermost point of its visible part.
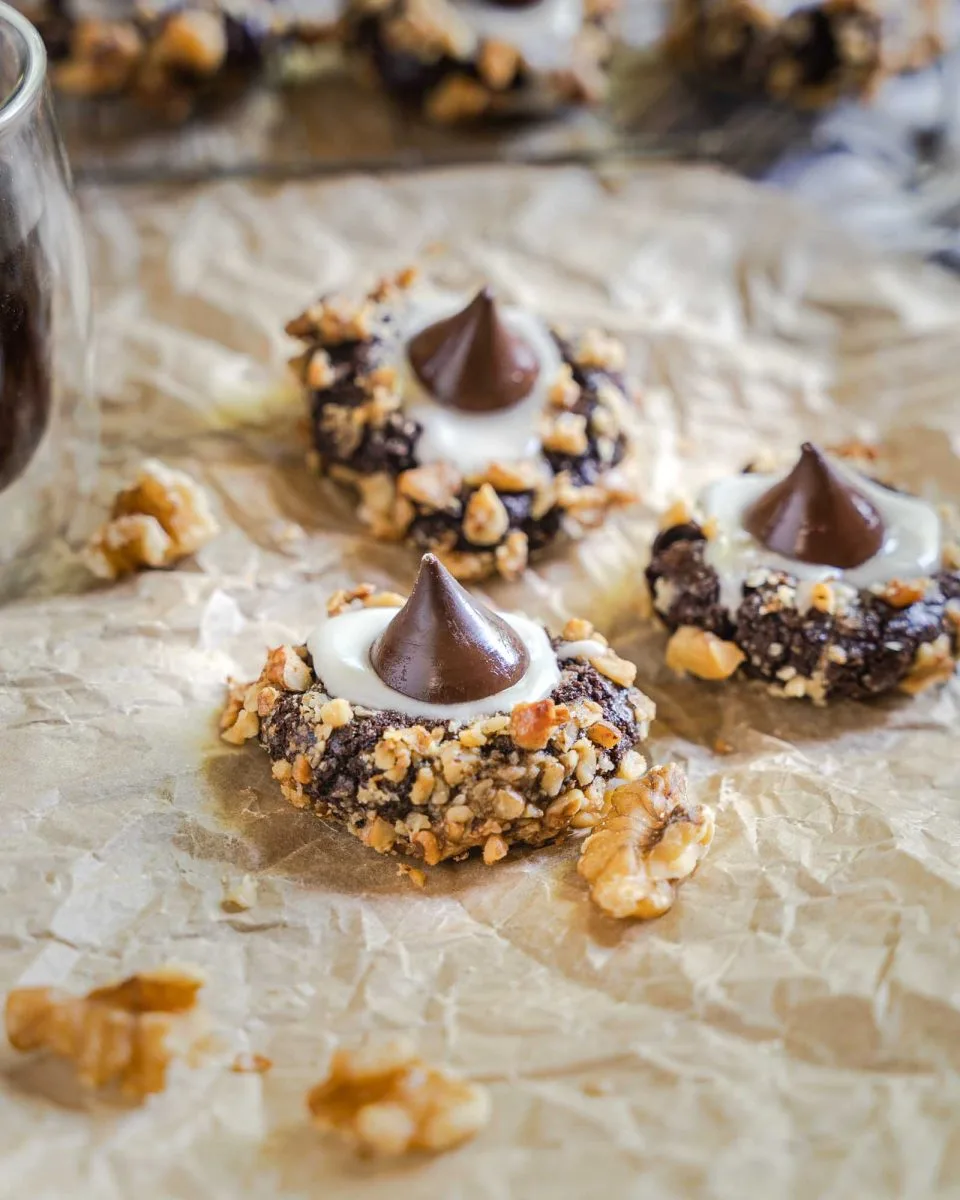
(790, 1029)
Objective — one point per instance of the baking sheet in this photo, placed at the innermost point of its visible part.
(790, 1029)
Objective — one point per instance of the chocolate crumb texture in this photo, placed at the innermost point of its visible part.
(437, 790)
(428, 54)
(492, 522)
(809, 55)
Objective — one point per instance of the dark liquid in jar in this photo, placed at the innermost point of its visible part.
(26, 393)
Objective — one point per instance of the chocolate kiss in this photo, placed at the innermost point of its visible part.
(443, 647)
(814, 516)
(471, 361)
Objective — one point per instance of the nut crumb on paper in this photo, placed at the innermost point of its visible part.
(251, 1064)
(126, 1033)
(387, 1101)
(417, 877)
(163, 517)
(649, 842)
(239, 895)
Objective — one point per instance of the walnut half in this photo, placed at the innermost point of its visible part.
(388, 1102)
(126, 1033)
(162, 518)
(650, 841)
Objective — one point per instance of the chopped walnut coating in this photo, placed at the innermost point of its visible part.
(387, 1101)
(818, 640)
(284, 671)
(650, 841)
(431, 52)
(497, 518)
(934, 663)
(126, 1033)
(162, 518)
(436, 791)
(693, 651)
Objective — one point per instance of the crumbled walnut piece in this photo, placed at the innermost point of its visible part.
(246, 1063)
(126, 1033)
(679, 513)
(578, 630)
(485, 520)
(286, 669)
(614, 667)
(164, 517)
(384, 600)
(404, 279)
(246, 725)
(694, 651)
(532, 725)
(651, 840)
(521, 476)
(435, 487)
(467, 566)
(428, 846)
(566, 433)
(901, 594)
(336, 713)
(194, 40)
(417, 877)
(457, 98)
(604, 735)
(511, 556)
(823, 598)
(498, 63)
(856, 450)
(632, 766)
(508, 804)
(382, 508)
(598, 349)
(430, 28)
(423, 786)
(103, 58)
(933, 663)
(494, 848)
(342, 599)
(951, 556)
(333, 321)
(302, 771)
(564, 390)
(379, 835)
(387, 1101)
(239, 895)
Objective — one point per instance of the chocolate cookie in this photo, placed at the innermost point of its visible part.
(821, 582)
(487, 734)
(462, 61)
(808, 54)
(469, 428)
(169, 56)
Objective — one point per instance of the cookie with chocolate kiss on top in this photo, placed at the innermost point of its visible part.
(484, 60)
(817, 579)
(435, 726)
(468, 426)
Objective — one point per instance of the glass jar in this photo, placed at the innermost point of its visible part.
(47, 436)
